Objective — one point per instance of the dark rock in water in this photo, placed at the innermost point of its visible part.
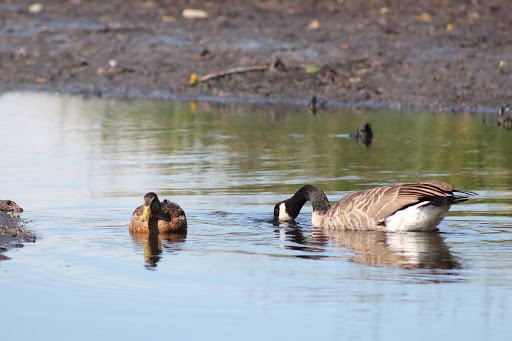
(12, 229)
(363, 135)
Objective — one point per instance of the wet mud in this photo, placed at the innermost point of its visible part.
(449, 55)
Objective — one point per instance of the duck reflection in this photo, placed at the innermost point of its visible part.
(154, 244)
(426, 250)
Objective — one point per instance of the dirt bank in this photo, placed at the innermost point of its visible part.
(12, 230)
(436, 55)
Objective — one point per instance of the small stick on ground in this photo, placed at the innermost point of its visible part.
(240, 69)
(276, 63)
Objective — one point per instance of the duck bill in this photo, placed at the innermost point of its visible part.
(146, 213)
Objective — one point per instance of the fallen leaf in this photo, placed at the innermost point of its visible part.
(193, 79)
(315, 24)
(344, 46)
(473, 17)
(363, 71)
(168, 18)
(147, 4)
(384, 10)
(449, 27)
(313, 69)
(35, 8)
(190, 13)
(425, 17)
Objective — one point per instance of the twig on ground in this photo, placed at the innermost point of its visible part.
(235, 70)
(273, 65)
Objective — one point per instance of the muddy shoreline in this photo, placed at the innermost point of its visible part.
(13, 232)
(444, 55)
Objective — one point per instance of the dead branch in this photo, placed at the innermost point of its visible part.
(272, 66)
(235, 70)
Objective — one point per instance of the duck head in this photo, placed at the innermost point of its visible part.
(152, 206)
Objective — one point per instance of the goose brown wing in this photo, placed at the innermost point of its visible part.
(381, 202)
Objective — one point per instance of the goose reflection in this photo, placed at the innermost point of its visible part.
(420, 250)
(291, 232)
(154, 244)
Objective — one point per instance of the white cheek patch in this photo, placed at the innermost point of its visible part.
(283, 215)
(317, 219)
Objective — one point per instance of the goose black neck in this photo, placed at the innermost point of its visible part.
(312, 193)
(317, 198)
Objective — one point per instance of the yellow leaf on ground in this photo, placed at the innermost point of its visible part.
(193, 79)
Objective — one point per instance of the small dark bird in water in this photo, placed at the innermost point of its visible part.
(158, 217)
(505, 122)
(363, 135)
(312, 104)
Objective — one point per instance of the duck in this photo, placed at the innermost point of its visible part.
(158, 217)
(397, 207)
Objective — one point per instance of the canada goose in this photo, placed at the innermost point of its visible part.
(156, 216)
(400, 207)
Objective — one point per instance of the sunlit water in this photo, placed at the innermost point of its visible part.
(80, 166)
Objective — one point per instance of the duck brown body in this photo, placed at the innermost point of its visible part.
(158, 217)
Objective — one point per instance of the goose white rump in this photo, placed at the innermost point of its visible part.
(419, 217)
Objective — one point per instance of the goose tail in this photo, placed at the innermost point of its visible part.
(459, 196)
